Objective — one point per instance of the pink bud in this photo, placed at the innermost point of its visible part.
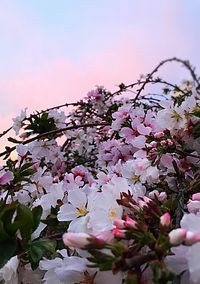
(118, 233)
(196, 196)
(192, 238)
(76, 240)
(165, 219)
(130, 223)
(177, 236)
(169, 142)
(163, 143)
(119, 223)
(153, 194)
(159, 134)
(153, 144)
(162, 196)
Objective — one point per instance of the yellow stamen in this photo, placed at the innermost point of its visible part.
(176, 116)
(135, 178)
(112, 213)
(81, 210)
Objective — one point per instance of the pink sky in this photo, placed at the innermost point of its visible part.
(53, 52)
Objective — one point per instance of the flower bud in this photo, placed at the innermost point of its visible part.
(196, 196)
(159, 134)
(153, 194)
(153, 144)
(118, 233)
(130, 223)
(76, 240)
(119, 223)
(162, 196)
(169, 142)
(177, 236)
(165, 219)
(163, 143)
(192, 238)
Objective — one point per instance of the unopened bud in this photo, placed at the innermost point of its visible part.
(196, 196)
(118, 233)
(165, 219)
(163, 143)
(76, 240)
(162, 196)
(159, 134)
(192, 238)
(119, 223)
(177, 236)
(169, 142)
(130, 223)
(153, 194)
(153, 144)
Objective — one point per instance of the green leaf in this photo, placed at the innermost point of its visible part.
(101, 260)
(28, 172)
(7, 211)
(117, 249)
(3, 235)
(7, 250)
(24, 215)
(36, 213)
(38, 249)
(26, 166)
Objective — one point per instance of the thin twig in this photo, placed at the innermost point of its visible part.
(46, 134)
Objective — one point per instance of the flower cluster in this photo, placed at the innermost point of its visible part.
(108, 192)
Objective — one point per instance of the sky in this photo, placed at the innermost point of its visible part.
(55, 51)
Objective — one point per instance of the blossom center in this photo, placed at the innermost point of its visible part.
(81, 210)
(135, 178)
(112, 213)
(176, 116)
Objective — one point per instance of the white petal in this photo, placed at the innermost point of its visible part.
(66, 213)
(77, 197)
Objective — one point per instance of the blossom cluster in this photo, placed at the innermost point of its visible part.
(108, 192)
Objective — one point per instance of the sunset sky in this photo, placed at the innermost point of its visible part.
(54, 51)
